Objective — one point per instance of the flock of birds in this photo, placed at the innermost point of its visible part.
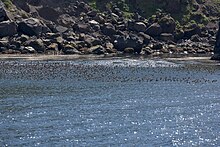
(109, 71)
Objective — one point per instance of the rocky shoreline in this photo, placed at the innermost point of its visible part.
(79, 29)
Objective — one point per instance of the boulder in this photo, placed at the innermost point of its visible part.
(167, 24)
(69, 49)
(37, 44)
(146, 51)
(131, 41)
(7, 28)
(191, 30)
(98, 49)
(3, 14)
(140, 27)
(110, 48)
(154, 30)
(60, 29)
(178, 35)
(82, 27)
(4, 42)
(53, 47)
(146, 38)
(48, 13)
(66, 20)
(129, 50)
(23, 38)
(157, 46)
(196, 38)
(92, 13)
(216, 55)
(32, 27)
(92, 41)
(28, 49)
(108, 29)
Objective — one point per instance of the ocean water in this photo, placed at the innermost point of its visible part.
(109, 102)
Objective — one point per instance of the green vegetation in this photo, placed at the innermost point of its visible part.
(93, 4)
(182, 10)
(7, 3)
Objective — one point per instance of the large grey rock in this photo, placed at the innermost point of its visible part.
(7, 28)
(216, 55)
(32, 27)
(82, 27)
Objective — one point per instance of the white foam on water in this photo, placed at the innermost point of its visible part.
(132, 63)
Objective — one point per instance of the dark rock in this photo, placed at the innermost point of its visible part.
(4, 42)
(129, 50)
(82, 28)
(16, 44)
(66, 20)
(92, 13)
(7, 28)
(216, 55)
(69, 49)
(48, 13)
(108, 29)
(178, 35)
(110, 48)
(91, 40)
(157, 46)
(131, 41)
(83, 7)
(146, 38)
(99, 19)
(140, 27)
(21, 4)
(195, 38)
(146, 51)
(38, 45)
(154, 30)
(3, 14)
(212, 41)
(32, 27)
(167, 24)
(23, 38)
(2, 49)
(192, 30)
(131, 25)
(98, 49)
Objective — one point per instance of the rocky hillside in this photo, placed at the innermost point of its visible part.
(104, 27)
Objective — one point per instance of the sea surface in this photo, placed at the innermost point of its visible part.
(109, 102)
